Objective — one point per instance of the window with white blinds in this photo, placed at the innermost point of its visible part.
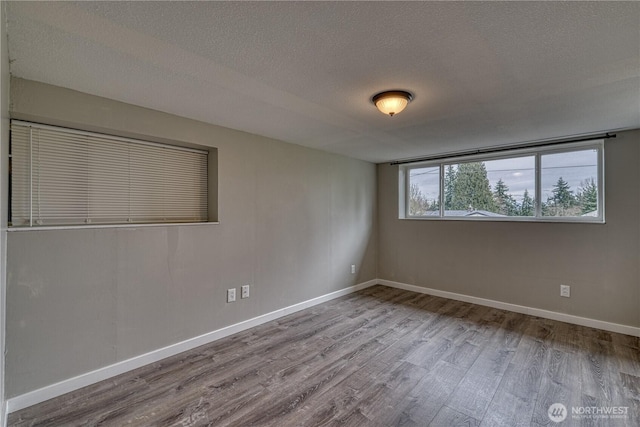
(66, 177)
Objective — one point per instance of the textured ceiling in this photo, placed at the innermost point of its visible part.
(483, 73)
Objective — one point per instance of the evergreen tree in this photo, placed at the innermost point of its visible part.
(449, 182)
(562, 198)
(544, 207)
(471, 189)
(527, 208)
(588, 196)
(505, 203)
(562, 195)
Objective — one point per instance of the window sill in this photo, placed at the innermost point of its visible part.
(97, 226)
(513, 219)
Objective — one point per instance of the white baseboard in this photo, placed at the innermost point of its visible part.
(45, 393)
(553, 315)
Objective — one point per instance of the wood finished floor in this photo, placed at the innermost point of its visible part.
(379, 357)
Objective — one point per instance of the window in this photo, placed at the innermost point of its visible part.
(424, 191)
(492, 188)
(570, 184)
(66, 177)
(546, 184)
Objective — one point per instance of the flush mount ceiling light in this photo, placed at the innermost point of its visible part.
(392, 102)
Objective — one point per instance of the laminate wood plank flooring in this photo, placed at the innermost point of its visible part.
(378, 357)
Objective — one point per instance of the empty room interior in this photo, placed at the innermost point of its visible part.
(320, 213)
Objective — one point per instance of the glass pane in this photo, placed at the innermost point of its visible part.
(494, 188)
(424, 190)
(570, 184)
(513, 185)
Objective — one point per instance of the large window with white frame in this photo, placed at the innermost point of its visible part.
(559, 183)
(67, 177)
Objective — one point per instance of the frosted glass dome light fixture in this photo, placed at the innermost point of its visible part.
(392, 102)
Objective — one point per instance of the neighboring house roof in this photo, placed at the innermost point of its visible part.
(485, 213)
(472, 213)
(465, 213)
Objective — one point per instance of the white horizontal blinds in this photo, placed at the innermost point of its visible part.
(20, 176)
(108, 177)
(59, 178)
(167, 185)
(85, 178)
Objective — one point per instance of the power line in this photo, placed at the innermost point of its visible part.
(437, 170)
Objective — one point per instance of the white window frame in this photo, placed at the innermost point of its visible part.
(537, 152)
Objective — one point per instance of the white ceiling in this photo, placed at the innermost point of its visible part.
(483, 73)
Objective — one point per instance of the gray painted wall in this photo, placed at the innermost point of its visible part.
(292, 221)
(524, 263)
(4, 156)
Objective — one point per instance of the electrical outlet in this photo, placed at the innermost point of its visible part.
(231, 295)
(565, 291)
(245, 292)
(353, 269)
